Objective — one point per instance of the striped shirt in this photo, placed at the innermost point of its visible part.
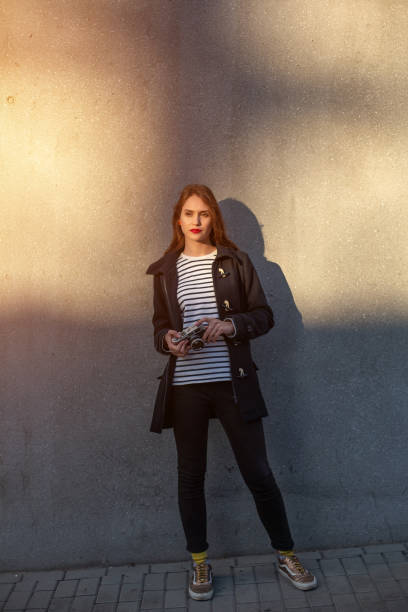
(196, 298)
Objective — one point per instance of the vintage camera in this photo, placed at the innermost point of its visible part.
(193, 334)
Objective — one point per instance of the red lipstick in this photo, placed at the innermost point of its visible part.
(195, 231)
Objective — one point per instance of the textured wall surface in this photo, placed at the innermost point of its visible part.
(295, 114)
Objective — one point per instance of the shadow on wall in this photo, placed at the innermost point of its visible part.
(83, 481)
(276, 351)
(335, 430)
(244, 229)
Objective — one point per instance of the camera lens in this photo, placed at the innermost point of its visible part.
(197, 344)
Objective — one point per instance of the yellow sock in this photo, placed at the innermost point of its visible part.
(199, 557)
(286, 553)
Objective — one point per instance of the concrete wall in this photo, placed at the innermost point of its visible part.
(295, 114)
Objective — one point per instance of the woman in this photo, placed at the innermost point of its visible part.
(203, 278)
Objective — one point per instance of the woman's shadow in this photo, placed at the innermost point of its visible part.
(275, 353)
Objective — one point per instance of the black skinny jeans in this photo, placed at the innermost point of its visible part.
(190, 408)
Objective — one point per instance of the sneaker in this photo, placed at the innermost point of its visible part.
(293, 570)
(200, 586)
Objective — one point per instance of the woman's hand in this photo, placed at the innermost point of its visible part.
(215, 329)
(180, 349)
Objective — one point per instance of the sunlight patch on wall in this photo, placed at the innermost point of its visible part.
(79, 144)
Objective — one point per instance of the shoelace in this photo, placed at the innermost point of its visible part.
(297, 564)
(202, 572)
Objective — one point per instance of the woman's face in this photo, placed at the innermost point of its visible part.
(195, 220)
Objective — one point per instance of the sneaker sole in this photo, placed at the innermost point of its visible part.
(299, 585)
(200, 596)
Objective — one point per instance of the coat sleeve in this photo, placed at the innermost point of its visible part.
(258, 316)
(160, 317)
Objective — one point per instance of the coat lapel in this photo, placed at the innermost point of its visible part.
(170, 278)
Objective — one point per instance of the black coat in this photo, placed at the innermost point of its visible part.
(240, 297)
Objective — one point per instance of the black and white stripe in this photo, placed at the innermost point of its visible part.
(196, 298)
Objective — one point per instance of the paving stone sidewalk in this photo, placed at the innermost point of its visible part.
(372, 578)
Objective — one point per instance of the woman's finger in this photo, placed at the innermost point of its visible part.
(183, 347)
(202, 320)
(209, 330)
(214, 333)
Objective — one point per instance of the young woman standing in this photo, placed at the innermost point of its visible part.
(204, 278)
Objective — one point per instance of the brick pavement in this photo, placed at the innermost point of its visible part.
(371, 578)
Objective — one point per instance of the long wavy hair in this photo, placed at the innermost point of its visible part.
(218, 233)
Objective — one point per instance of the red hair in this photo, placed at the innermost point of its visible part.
(218, 234)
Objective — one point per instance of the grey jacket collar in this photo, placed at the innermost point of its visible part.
(168, 261)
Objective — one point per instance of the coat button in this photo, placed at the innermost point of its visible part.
(222, 273)
(226, 305)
